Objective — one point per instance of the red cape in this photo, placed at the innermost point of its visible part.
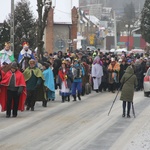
(62, 75)
(20, 81)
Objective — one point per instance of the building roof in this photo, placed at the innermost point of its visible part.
(93, 19)
(62, 11)
(136, 30)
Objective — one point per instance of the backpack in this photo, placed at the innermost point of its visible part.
(77, 72)
(87, 88)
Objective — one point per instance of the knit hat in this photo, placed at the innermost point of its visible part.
(46, 64)
(120, 60)
(31, 61)
(80, 53)
(129, 61)
(68, 59)
(14, 65)
(113, 59)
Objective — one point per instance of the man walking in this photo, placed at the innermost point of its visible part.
(35, 85)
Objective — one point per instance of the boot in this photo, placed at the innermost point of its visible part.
(128, 116)
(123, 115)
(63, 99)
(96, 91)
(124, 108)
(44, 104)
(128, 110)
(7, 116)
(68, 98)
(74, 98)
(32, 108)
(27, 108)
(83, 91)
(79, 97)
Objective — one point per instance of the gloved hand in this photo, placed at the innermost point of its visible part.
(19, 93)
(94, 77)
(46, 89)
(20, 90)
(22, 70)
(37, 86)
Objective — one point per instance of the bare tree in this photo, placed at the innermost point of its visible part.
(44, 7)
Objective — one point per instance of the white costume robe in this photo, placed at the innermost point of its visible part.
(97, 71)
(5, 56)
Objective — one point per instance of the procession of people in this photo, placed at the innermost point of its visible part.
(74, 73)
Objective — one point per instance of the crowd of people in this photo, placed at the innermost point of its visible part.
(29, 78)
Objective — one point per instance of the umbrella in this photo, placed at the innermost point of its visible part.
(121, 50)
(112, 50)
(137, 51)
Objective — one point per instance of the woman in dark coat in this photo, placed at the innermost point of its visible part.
(129, 81)
(139, 74)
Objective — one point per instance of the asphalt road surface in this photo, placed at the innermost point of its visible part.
(81, 125)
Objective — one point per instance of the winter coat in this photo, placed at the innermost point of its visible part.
(105, 75)
(138, 71)
(129, 81)
(85, 79)
(113, 73)
(61, 76)
(123, 68)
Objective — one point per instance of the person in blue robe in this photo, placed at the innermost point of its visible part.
(49, 81)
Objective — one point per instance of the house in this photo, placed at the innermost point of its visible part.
(88, 30)
(61, 29)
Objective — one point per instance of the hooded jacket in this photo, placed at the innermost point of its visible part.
(129, 82)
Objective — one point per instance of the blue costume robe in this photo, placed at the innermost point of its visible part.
(49, 83)
(24, 54)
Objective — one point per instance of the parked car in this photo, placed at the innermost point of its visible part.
(146, 83)
(91, 48)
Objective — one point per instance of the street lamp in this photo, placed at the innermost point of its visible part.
(128, 34)
(12, 26)
(87, 29)
(115, 31)
(129, 28)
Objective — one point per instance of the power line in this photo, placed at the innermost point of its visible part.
(62, 11)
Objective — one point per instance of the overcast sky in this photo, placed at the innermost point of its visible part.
(5, 7)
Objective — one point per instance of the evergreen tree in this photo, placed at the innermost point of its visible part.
(145, 21)
(4, 34)
(129, 13)
(25, 26)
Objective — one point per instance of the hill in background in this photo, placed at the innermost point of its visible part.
(115, 4)
(119, 4)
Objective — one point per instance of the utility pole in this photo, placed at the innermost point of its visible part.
(12, 26)
(105, 3)
(115, 31)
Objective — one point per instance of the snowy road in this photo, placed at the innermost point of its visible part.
(81, 125)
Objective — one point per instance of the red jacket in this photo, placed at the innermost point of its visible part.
(20, 81)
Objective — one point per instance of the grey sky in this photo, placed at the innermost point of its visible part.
(5, 7)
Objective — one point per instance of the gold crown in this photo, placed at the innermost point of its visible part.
(25, 44)
(7, 44)
(63, 62)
